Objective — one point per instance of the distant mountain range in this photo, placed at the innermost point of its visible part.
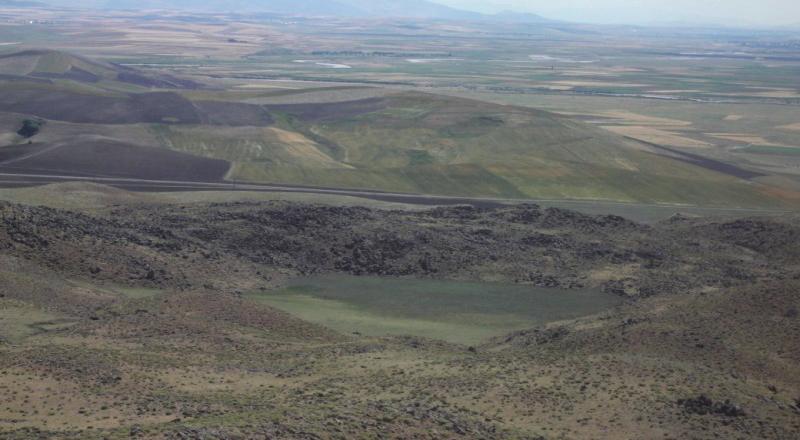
(519, 17)
(338, 8)
(350, 8)
(20, 4)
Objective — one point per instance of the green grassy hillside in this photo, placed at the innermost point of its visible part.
(458, 312)
(417, 142)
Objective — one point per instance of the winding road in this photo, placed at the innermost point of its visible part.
(20, 180)
(16, 180)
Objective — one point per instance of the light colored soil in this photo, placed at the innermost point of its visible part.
(791, 127)
(596, 84)
(765, 94)
(638, 119)
(676, 91)
(303, 148)
(586, 73)
(554, 87)
(778, 94)
(746, 139)
(263, 86)
(8, 138)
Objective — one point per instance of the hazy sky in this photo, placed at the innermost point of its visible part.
(735, 12)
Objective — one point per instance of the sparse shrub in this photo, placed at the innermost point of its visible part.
(30, 127)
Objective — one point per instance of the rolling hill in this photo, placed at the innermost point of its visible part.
(56, 65)
(425, 143)
(390, 140)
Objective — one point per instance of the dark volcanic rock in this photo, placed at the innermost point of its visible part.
(549, 248)
(702, 405)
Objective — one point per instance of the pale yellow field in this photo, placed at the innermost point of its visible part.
(636, 119)
(554, 87)
(263, 86)
(595, 84)
(604, 73)
(746, 138)
(304, 148)
(778, 94)
(8, 138)
(623, 117)
(791, 127)
(676, 91)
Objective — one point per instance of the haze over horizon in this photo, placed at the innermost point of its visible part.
(725, 12)
(735, 13)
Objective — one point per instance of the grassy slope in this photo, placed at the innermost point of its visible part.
(433, 144)
(57, 67)
(453, 311)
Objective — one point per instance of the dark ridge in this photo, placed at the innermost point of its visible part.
(104, 158)
(233, 114)
(330, 111)
(161, 81)
(154, 107)
(74, 73)
(704, 162)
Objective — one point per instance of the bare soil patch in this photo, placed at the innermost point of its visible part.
(744, 138)
(791, 127)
